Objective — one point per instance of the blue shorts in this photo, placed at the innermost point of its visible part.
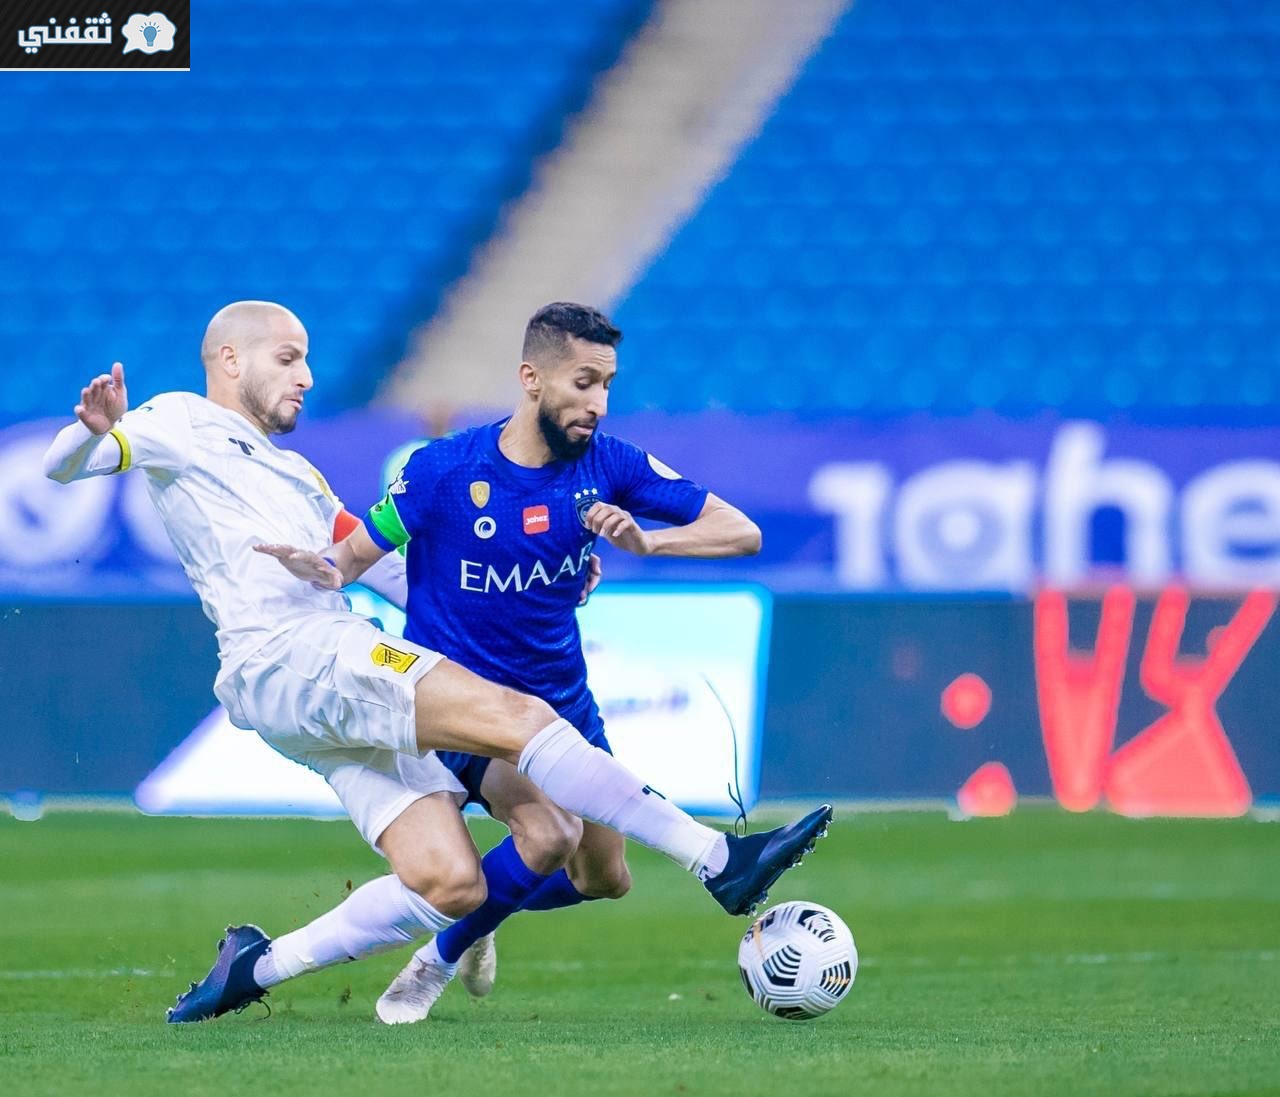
(471, 768)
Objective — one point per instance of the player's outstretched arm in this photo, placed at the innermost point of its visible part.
(719, 531)
(387, 577)
(333, 568)
(82, 449)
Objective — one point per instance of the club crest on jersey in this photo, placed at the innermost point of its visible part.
(480, 492)
(324, 484)
(583, 501)
(536, 519)
(485, 527)
(384, 655)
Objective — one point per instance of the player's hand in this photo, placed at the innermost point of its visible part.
(594, 572)
(617, 527)
(311, 567)
(103, 401)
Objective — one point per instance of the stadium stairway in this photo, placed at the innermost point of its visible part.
(662, 126)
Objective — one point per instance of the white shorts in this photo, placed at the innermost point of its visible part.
(337, 695)
(376, 793)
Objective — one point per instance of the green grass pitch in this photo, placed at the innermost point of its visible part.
(1042, 953)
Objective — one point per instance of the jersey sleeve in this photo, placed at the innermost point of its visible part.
(77, 453)
(155, 436)
(649, 489)
(404, 512)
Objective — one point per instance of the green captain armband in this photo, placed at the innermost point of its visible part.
(384, 525)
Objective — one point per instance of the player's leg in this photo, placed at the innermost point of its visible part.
(541, 841)
(437, 878)
(598, 867)
(337, 682)
(458, 710)
(597, 870)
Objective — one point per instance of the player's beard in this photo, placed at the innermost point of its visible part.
(277, 419)
(562, 447)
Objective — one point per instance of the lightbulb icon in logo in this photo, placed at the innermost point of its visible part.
(152, 33)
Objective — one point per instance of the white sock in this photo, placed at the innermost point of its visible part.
(714, 859)
(430, 954)
(377, 916)
(591, 783)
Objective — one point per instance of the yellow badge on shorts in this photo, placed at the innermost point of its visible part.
(384, 655)
(480, 492)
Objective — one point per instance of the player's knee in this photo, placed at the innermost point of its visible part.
(458, 897)
(608, 881)
(530, 714)
(617, 881)
(454, 890)
(546, 839)
(513, 718)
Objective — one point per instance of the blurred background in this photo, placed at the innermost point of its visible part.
(972, 306)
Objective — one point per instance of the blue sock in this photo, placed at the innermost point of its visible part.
(556, 891)
(510, 883)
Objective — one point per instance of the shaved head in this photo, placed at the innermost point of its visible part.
(242, 324)
(255, 362)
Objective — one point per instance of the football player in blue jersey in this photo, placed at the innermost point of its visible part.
(498, 525)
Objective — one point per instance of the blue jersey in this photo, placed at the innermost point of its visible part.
(498, 553)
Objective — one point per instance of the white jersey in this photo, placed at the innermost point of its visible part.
(221, 486)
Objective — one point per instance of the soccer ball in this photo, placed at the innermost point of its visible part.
(798, 960)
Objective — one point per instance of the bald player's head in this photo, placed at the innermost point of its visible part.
(255, 362)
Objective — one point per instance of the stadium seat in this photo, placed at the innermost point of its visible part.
(989, 205)
(136, 206)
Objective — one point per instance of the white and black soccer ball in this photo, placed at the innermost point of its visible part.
(798, 960)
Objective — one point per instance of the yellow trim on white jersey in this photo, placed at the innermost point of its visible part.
(126, 453)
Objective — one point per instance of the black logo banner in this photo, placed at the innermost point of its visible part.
(95, 34)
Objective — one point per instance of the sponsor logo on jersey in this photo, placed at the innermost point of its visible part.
(486, 579)
(384, 655)
(583, 501)
(485, 527)
(537, 519)
(480, 492)
(400, 486)
(245, 448)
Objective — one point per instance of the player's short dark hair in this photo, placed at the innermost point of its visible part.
(548, 331)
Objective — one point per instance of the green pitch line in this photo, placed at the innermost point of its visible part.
(1037, 954)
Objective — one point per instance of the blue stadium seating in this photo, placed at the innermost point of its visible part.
(344, 159)
(991, 204)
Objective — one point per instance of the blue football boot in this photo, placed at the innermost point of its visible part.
(757, 860)
(229, 984)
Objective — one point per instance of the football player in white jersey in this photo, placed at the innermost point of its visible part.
(329, 689)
